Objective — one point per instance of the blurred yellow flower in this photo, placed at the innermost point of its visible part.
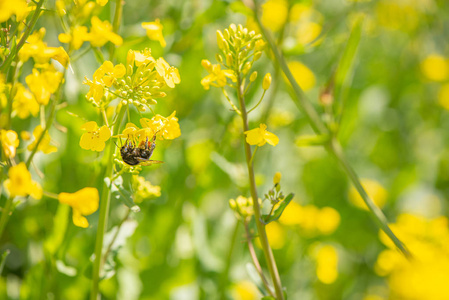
(217, 77)
(443, 96)
(328, 220)
(375, 191)
(9, 141)
(426, 275)
(435, 67)
(40, 52)
(168, 73)
(266, 81)
(245, 290)
(398, 15)
(94, 139)
(83, 202)
(326, 263)
(243, 207)
(101, 33)
(19, 182)
(154, 31)
(43, 84)
(24, 102)
(274, 14)
(44, 145)
(165, 127)
(276, 235)
(277, 178)
(19, 8)
(260, 136)
(303, 75)
(292, 214)
(102, 2)
(144, 190)
(77, 36)
(307, 32)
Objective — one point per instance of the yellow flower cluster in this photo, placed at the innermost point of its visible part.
(243, 207)
(36, 48)
(83, 202)
(144, 190)
(240, 48)
(326, 258)
(19, 8)
(426, 275)
(19, 183)
(100, 33)
(375, 191)
(140, 82)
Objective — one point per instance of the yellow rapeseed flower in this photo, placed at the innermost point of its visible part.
(274, 14)
(10, 142)
(77, 36)
(19, 182)
(107, 73)
(435, 67)
(154, 31)
(96, 91)
(245, 290)
(94, 139)
(260, 136)
(44, 145)
(165, 127)
(328, 220)
(24, 102)
(375, 191)
(276, 235)
(168, 73)
(83, 202)
(303, 75)
(19, 8)
(217, 76)
(101, 33)
(43, 84)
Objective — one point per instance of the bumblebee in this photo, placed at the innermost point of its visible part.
(134, 155)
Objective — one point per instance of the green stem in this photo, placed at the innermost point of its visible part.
(268, 253)
(108, 249)
(104, 211)
(5, 214)
(334, 148)
(116, 25)
(30, 27)
(49, 120)
(11, 91)
(256, 263)
(261, 98)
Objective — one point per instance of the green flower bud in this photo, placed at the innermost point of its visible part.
(220, 39)
(229, 59)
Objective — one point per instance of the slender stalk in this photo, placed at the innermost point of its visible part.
(29, 29)
(104, 212)
(5, 214)
(11, 91)
(116, 25)
(268, 253)
(108, 249)
(256, 263)
(334, 148)
(225, 274)
(49, 120)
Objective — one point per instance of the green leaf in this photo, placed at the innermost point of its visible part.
(278, 212)
(268, 298)
(3, 259)
(312, 140)
(119, 192)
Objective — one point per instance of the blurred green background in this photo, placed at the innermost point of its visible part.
(178, 245)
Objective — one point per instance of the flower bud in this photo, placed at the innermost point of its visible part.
(253, 76)
(233, 28)
(257, 55)
(207, 65)
(266, 85)
(219, 58)
(277, 177)
(232, 203)
(246, 67)
(229, 59)
(220, 39)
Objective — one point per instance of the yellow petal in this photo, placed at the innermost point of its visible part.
(86, 141)
(90, 126)
(79, 220)
(271, 138)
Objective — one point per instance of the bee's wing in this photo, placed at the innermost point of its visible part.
(144, 162)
